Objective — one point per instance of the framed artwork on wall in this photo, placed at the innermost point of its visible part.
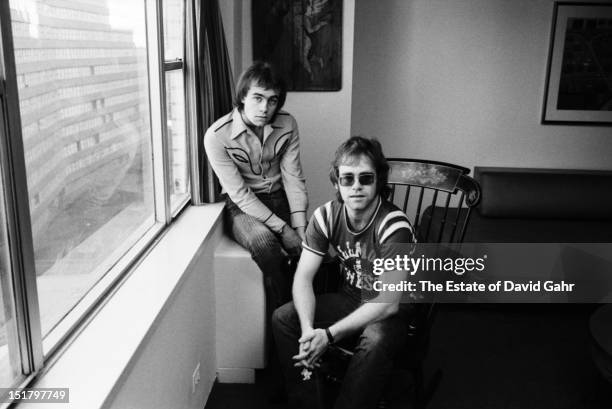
(303, 39)
(579, 75)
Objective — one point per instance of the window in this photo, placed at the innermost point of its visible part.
(10, 367)
(174, 29)
(104, 173)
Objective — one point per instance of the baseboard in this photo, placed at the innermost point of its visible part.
(235, 375)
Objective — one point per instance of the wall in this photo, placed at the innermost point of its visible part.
(324, 118)
(463, 81)
(184, 334)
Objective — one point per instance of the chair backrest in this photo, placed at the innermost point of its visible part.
(437, 197)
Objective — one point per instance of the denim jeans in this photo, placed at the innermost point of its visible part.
(375, 350)
(264, 245)
(267, 251)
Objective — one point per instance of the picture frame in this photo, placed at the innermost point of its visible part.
(303, 39)
(578, 87)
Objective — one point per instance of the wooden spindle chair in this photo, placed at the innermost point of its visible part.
(438, 198)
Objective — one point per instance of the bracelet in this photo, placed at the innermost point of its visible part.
(330, 338)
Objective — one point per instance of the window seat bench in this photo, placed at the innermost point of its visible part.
(240, 313)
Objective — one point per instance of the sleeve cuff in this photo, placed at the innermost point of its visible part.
(305, 246)
(275, 223)
(298, 219)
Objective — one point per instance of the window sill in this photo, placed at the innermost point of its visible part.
(93, 364)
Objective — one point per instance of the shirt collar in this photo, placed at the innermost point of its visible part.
(346, 221)
(277, 122)
(239, 126)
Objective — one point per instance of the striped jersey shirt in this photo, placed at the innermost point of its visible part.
(330, 232)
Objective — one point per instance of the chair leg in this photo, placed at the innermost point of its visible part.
(424, 393)
(419, 388)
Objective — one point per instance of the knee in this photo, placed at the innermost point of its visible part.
(383, 336)
(263, 243)
(284, 316)
(371, 337)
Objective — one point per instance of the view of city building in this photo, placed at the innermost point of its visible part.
(82, 74)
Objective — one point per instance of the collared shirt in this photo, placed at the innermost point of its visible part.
(245, 166)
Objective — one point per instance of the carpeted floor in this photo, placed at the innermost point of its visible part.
(494, 357)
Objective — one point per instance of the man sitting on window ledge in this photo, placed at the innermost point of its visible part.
(254, 150)
(359, 226)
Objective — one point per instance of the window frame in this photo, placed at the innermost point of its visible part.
(34, 350)
(166, 67)
(21, 246)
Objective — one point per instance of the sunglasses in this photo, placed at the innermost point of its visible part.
(365, 179)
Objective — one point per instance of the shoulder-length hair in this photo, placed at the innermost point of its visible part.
(262, 74)
(369, 147)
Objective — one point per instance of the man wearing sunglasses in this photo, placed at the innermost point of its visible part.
(358, 226)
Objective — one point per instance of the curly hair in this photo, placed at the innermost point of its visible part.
(352, 149)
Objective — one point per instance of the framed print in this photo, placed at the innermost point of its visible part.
(303, 39)
(579, 76)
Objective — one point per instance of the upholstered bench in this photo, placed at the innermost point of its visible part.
(542, 206)
(553, 206)
(240, 314)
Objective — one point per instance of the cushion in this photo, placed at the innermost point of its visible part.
(527, 193)
(482, 229)
(513, 230)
